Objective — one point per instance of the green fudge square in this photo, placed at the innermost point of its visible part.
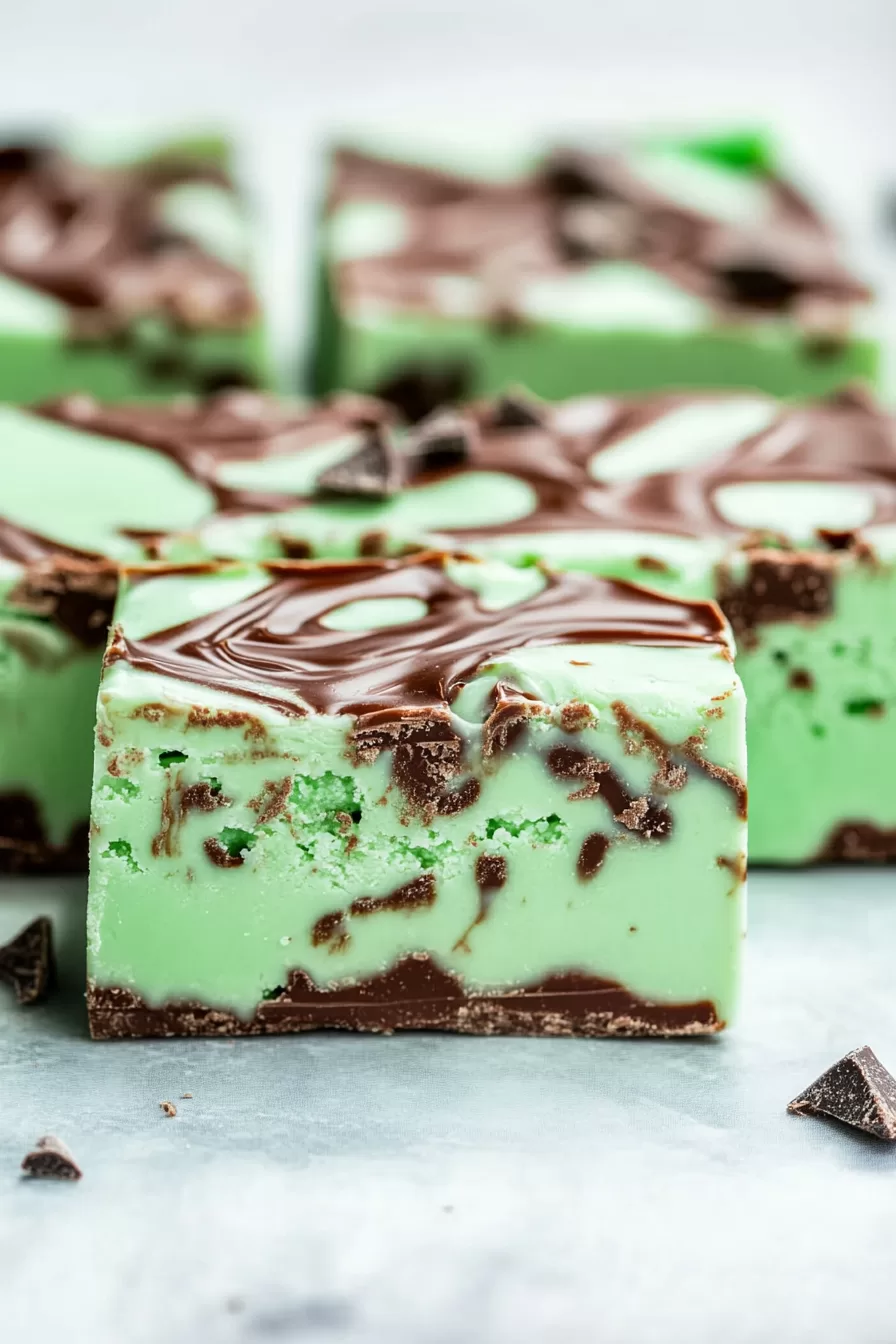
(656, 264)
(425, 793)
(87, 488)
(783, 513)
(125, 265)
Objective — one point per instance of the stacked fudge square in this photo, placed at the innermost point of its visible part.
(422, 711)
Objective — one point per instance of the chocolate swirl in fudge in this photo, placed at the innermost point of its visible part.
(95, 239)
(578, 208)
(276, 647)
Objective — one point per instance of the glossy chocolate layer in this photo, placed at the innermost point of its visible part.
(274, 647)
(845, 440)
(234, 426)
(579, 208)
(95, 238)
(415, 994)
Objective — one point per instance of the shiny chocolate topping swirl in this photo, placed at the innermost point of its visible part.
(95, 238)
(578, 208)
(276, 647)
(845, 439)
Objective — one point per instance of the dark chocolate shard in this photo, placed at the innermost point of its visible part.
(27, 963)
(418, 389)
(517, 409)
(442, 441)
(858, 1091)
(373, 471)
(50, 1159)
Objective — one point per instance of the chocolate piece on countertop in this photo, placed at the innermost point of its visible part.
(27, 962)
(50, 1159)
(373, 471)
(858, 1091)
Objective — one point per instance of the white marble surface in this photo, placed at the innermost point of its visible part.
(441, 1190)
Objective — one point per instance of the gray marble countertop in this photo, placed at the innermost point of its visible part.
(439, 1190)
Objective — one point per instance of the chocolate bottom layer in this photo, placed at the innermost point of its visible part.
(859, 842)
(415, 994)
(24, 847)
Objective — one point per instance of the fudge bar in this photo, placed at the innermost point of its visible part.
(427, 793)
(653, 265)
(83, 490)
(786, 514)
(123, 269)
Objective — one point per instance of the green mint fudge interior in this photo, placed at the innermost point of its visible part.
(784, 513)
(414, 793)
(85, 489)
(124, 267)
(655, 264)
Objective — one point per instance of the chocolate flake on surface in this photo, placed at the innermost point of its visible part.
(169, 1108)
(858, 1091)
(50, 1159)
(418, 994)
(27, 963)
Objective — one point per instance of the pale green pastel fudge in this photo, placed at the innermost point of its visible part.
(657, 264)
(125, 265)
(253, 869)
(703, 497)
(82, 492)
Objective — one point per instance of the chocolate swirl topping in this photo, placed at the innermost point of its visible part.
(274, 646)
(95, 238)
(578, 208)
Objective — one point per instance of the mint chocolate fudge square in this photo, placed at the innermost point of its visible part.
(124, 268)
(652, 265)
(428, 793)
(86, 489)
(786, 514)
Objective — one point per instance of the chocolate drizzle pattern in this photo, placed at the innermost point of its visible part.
(233, 426)
(844, 440)
(96, 239)
(578, 208)
(274, 646)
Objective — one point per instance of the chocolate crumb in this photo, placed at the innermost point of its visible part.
(800, 679)
(186, 1096)
(50, 1159)
(858, 1091)
(169, 1108)
(27, 962)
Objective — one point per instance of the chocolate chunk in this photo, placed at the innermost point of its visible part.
(50, 1159)
(574, 172)
(169, 1108)
(417, 390)
(373, 471)
(758, 285)
(442, 441)
(858, 1091)
(27, 963)
(517, 409)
